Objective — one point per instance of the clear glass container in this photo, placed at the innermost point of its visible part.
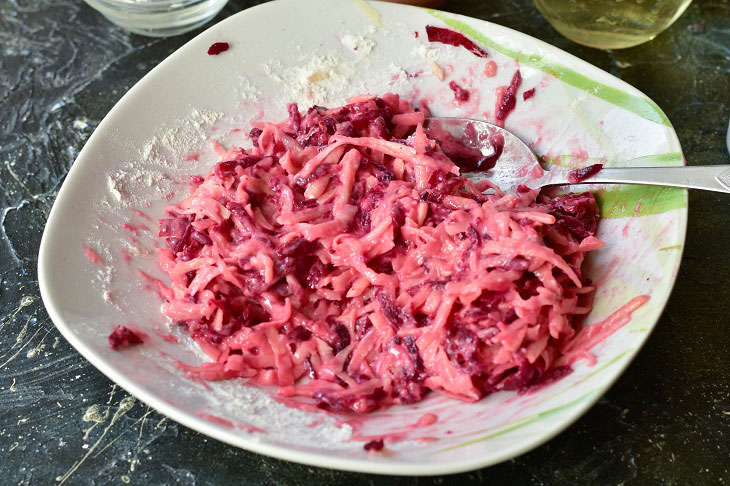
(158, 18)
(611, 24)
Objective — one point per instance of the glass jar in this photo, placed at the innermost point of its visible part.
(611, 24)
(158, 18)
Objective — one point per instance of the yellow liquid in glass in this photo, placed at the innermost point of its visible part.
(611, 24)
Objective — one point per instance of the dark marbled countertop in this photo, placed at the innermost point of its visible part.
(63, 67)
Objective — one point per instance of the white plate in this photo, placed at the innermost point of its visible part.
(304, 51)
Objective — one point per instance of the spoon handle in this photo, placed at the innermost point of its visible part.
(706, 177)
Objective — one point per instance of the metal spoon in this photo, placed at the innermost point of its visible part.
(490, 152)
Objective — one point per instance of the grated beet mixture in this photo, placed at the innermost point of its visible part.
(344, 259)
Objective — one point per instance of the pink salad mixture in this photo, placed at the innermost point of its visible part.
(344, 259)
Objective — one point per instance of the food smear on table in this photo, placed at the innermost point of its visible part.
(344, 260)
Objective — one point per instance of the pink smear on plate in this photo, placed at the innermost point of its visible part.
(427, 419)
(592, 335)
(141, 215)
(168, 337)
(92, 256)
(316, 422)
(218, 420)
(156, 285)
(214, 419)
(134, 229)
(460, 93)
(126, 256)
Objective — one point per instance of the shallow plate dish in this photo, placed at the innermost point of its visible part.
(170, 125)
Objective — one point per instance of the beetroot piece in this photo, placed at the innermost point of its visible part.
(228, 168)
(507, 104)
(461, 347)
(299, 247)
(528, 94)
(254, 135)
(575, 214)
(459, 93)
(374, 445)
(547, 378)
(217, 48)
(295, 118)
(393, 311)
(122, 337)
(579, 175)
(448, 36)
(299, 334)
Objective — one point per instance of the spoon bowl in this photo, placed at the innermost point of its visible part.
(485, 151)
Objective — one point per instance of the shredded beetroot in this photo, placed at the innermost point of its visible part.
(122, 337)
(459, 93)
(528, 94)
(579, 175)
(217, 48)
(374, 445)
(344, 259)
(448, 36)
(508, 101)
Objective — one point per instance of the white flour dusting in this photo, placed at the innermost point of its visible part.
(245, 90)
(321, 80)
(125, 186)
(166, 146)
(104, 277)
(150, 177)
(360, 44)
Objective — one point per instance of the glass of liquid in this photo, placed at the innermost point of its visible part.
(611, 24)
